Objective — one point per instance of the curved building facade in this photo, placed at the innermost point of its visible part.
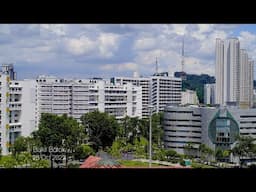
(182, 126)
(214, 127)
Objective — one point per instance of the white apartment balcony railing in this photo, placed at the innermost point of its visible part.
(15, 91)
(15, 108)
(14, 102)
(15, 124)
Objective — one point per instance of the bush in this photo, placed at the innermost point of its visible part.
(83, 151)
(174, 161)
(182, 162)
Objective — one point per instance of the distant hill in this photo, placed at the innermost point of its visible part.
(196, 83)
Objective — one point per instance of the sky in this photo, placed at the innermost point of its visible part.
(107, 50)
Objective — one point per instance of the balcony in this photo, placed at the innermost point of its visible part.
(80, 102)
(15, 91)
(14, 124)
(15, 102)
(15, 107)
(15, 127)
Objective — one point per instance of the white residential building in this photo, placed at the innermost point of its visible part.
(227, 70)
(219, 71)
(144, 83)
(234, 74)
(157, 90)
(165, 90)
(17, 110)
(209, 94)
(77, 97)
(22, 102)
(251, 79)
(254, 98)
(189, 97)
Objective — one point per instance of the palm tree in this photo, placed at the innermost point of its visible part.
(190, 149)
(244, 147)
(205, 151)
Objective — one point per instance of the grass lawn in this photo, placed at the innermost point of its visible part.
(128, 163)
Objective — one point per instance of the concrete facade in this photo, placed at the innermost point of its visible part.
(215, 127)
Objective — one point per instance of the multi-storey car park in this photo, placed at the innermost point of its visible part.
(217, 127)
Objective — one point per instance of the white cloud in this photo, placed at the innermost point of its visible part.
(119, 67)
(4, 29)
(100, 45)
(58, 29)
(208, 43)
(248, 42)
(179, 29)
(144, 43)
(80, 46)
(202, 31)
(247, 39)
(108, 44)
(196, 66)
(203, 28)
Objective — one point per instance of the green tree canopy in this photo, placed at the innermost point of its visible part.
(101, 127)
(59, 131)
(20, 145)
(244, 147)
(83, 151)
(157, 128)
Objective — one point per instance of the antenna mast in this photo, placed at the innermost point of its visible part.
(156, 66)
(182, 56)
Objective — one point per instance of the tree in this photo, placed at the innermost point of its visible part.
(226, 153)
(190, 150)
(59, 131)
(83, 151)
(20, 145)
(159, 155)
(8, 161)
(136, 128)
(143, 128)
(41, 163)
(140, 146)
(102, 129)
(157, 128)
(117, 148)
(219, 154)
(171, 154)
(244, 147)
(129, 129)
(205, 151)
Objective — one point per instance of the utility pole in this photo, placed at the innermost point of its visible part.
(150, 135)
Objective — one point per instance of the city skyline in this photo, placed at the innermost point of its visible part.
(105, 50)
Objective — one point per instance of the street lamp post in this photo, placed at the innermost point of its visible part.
(150, 135)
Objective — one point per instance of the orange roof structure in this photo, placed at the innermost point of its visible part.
(98, 162)
(106, 161)
(90, 162)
